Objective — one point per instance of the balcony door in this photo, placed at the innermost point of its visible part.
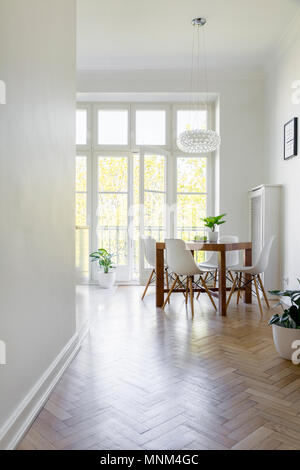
(112, 200)
(130, 202)
(153, 163)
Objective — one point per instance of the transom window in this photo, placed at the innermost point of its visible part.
(132, 181)
(112, 127)
(150, 127)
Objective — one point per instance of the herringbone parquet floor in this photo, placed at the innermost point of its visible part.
(148, 379)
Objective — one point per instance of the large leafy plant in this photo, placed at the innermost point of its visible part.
(290, 317)
(212, 222)
(103, 258)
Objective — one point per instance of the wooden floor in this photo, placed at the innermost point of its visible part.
(148, 379)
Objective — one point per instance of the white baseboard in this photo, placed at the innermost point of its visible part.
(18, 423)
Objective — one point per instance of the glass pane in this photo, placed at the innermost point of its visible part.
(188, 119)
(154, 177)
(81, 127)
(81, 173)
(191, 208)
(113, 127)
(81, 200)
(82, 251)
(112, 174)
(112, 225)
(136, 214)
(191, 174)
(154, 215)
(151, 127)
(112, 210)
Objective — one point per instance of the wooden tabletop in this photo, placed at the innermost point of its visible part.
(207, 246)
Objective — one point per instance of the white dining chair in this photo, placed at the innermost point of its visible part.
(149, 245)
(211, 265)
(181, 262)
(255, 273)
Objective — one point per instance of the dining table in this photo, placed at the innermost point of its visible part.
(221, 289)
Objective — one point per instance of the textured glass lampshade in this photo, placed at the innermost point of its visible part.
(198, 141)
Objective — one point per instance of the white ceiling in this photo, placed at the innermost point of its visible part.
(157, 34)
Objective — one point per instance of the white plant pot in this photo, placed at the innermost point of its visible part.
(213, 237)
(284, 339)
(106, 280)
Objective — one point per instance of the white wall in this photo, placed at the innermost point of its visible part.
(37, 316)
(241, 125)
(284, 69)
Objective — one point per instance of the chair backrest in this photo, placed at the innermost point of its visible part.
(179, 259)
(263, 259)
(150, 250)
(232, 257)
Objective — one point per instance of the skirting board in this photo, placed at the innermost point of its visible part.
(19, 422)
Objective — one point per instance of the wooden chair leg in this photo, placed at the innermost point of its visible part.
(187, 291)
(231, 276)
(239, 288)
(170, 292)
(191, 295)
(263, 291)
(232, 290)
(167, 280)
(215, 278)
(148, 283)
(257, 295)
(208, 293)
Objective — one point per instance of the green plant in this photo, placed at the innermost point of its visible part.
(290, 317)
(104, 259)
(211, 222)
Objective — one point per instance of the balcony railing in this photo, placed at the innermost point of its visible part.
(114, 239)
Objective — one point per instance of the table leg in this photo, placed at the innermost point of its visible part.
(159, 277)
(222, 282)
(248, 277)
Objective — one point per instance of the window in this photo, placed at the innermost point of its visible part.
(154, 196)
(112, 217)
(150, 127)
(81, 190)
(81, 127)
(129, 174)
(112, 127)
(191, 196)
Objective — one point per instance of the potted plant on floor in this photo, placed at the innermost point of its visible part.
(212, 223)
(106, 277)
(286, 327)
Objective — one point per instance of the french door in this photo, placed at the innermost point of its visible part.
(111, 202)
(153, 190)
(129, 201)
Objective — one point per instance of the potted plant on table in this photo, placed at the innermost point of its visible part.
(286, 327)
(212, 223)
(106, 277)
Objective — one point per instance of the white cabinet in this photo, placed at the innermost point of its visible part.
(265, 220)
